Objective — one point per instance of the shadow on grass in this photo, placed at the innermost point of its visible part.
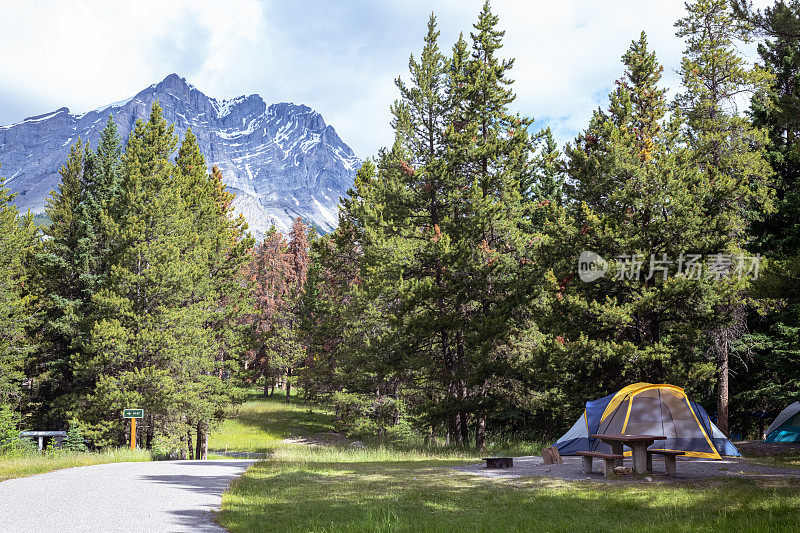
(424, 496)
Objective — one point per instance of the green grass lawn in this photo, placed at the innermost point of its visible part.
(262, 423)
(791, 460)
(26, 465)
(327, 489)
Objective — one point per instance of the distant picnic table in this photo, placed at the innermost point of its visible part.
(57, 436)
(642, 459)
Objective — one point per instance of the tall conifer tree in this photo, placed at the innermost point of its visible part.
(18, 243)
(443, 280)
(728, 149)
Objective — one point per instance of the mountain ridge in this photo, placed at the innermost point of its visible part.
(282, 160)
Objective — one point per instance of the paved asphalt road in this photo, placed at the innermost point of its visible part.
(160, 496)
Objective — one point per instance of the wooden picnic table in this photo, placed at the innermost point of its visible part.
(642, 461)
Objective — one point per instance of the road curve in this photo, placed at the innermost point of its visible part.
(161, 496)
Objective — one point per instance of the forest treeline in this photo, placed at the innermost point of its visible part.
(448, 303)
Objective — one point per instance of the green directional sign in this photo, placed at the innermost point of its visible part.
(132, 413)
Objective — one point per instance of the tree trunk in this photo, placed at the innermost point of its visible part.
(723, 338)
(464, 426)
(189, 444)
(480, 431)
(454, 429)
(288, 383)
(202, 442)
(266, 388)
(462, 386)
(149, 435)
(722, 393)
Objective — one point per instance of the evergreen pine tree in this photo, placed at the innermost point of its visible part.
(64, 270)
(498, 283)
(18, 242)
(636, 198)
(149, 343)
(548, 177)
(767, 378)
(442, 280)
(728, 149)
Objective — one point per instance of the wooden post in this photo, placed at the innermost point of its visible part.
(616, 449)
(639, 449)
(587, 464)
(133, 434)
(669, 462)
(608, 468)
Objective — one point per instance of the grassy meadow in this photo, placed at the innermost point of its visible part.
(336, 489)
(260, 424)
(332, 490)
(35, 463)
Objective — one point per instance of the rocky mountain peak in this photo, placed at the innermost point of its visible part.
(281, 160)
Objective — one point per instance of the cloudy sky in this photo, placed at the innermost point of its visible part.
(339, 57)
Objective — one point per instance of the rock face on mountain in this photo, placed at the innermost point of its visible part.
(281, 160)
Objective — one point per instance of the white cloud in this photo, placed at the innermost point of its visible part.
(85, 54)
(339, 57)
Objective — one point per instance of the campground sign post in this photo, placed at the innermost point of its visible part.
(133, 414)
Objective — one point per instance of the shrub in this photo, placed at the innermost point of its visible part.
(9, 431)
(402, 433)
(166, 447)
(348, 409)
(74, 441)
(360, 415)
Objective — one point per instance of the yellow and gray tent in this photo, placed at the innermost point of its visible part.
(647, 409)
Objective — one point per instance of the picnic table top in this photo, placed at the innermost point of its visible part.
(601, 455)
(42, 433)
(624, 437)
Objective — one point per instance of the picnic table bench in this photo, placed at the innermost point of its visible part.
(609, 460)
(669, 460)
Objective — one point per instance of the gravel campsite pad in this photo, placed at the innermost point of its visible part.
(689, 469)
(760, 448)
